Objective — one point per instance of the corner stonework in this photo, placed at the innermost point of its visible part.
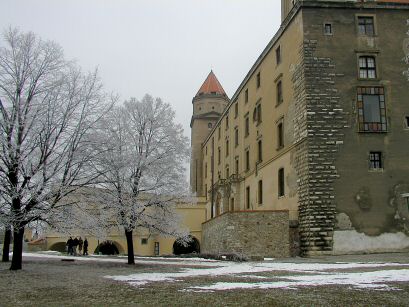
(318, 125)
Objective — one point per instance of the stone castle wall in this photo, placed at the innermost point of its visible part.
(250, 233)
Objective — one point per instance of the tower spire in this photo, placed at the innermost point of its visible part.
(211, 86)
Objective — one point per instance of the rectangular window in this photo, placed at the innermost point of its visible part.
(246, 96)
(258, 80)
(260, 151)
(236, 110)
(260, 192)
(205, 191)
(227, 122)
(371, 109)
(367, 67)
(227, 148)
(227, 172)
(246, 125)
(219, 133)
(280, 135)
(279, 92)
(237, 166)
(144, 241)
(257, 114)
(375, 160)
(366, 25)
(247, 197)
(206, 149)
(328, 29)
(281, 191)
(205, 174)
(247, 160)
(236, 136)
(278, 55)
(407, 122)
(218, 155)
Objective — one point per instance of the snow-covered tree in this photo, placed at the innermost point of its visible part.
(142, 170)
(48, 108)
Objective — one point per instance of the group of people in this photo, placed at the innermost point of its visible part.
(72, 245)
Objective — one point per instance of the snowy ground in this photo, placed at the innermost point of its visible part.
(260, 275)
(365, 280)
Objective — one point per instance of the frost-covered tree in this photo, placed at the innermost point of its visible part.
(142, 170)
(48, 108)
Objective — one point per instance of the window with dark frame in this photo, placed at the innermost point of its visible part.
(280, 135)
(328, 29)
(258, 113)
(375, 160)
(407, 122)
(246, 96)
(279, 92)
(260, 192)
(236, 110)
(205, 191)
(144, 241)
(246, 125)
(227, 148)
(278, 55)
(366, 25)
(227, 171)
(209, 125)
(205, 172)
(259, 151)
(219, 133)
(281, 190)
(219, 154)
(236, 136)
(367, 67)
(237, 166)
(227, 122)
(247, 160)
(247, 197)
(371, 109)
(258, 80)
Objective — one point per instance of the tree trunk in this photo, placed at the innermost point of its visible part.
(17, 259)
(129, 242)
(6, 245)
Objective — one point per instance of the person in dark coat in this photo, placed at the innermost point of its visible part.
(70, 244)
(85, 247)
(80, 243)
(75, 244)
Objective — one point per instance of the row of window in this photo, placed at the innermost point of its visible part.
(280, 189)
(365, 26)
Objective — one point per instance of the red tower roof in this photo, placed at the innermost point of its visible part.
(211, 86)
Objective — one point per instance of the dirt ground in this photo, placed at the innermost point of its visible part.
(52, 282)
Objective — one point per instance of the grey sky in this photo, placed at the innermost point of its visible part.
(162, 47)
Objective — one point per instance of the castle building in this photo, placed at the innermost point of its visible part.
(311, 153)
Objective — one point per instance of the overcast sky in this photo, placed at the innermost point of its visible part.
(162, 47)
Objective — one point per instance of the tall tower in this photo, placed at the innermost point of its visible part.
(208, 105)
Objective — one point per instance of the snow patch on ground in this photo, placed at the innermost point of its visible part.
(363, 280)
(314, 274)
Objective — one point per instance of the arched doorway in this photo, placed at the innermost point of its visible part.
(58, 247)
(193, 246)
(107, 248)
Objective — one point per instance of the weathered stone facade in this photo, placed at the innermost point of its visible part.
(319, 125)
(250, 233)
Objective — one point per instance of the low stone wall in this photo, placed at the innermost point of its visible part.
(250, 233)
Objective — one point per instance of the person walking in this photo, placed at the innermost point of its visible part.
(70, 244)
(80, 243)
(85, 247)
(75, 244)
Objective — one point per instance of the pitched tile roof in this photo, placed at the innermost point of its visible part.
(211, 86)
